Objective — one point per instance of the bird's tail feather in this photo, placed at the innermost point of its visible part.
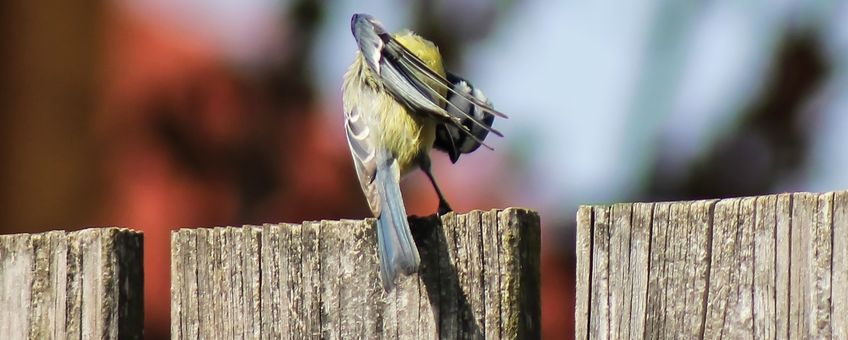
(398, 253)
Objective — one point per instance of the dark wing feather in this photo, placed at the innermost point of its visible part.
(401, 78)
(448, 137)
(407, 78)
(397, 50)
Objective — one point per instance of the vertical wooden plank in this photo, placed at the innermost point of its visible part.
(741, 305)
(41, 292)
(183, 246)
(359, 317)
(228, 293)
(839, 288)
(128, 256)
(599, 312)
(287, 307)
(411, 303)
(449, 305)
(657, 273)
(350, 326)
(640, 246)
(17, 285)
(472, 242)
(73, 317)
(821, 273)
(521, 243)
(237, 304)
(108, 297)
(408, 296)
(59, 275)
(783, 240)
(331, 285)
(699, 247)
(765, 312)
(676, 263)
(311, 308)
(407, 306)
(297, 317)
(368, 260)
(425, 231)
(206, 320)
(251, 280)
(90, 325)
(391, 311)
(802, 312)
(619, 269)
(491, 279)
(177, 285)
(583, 272)
(723, 270)
(460, 260)
(218, 274)
(466, 234)
(271, 295)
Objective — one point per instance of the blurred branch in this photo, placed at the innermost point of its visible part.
(453, 26)
(770, 141)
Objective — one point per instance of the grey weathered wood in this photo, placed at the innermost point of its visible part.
(583, 270)
(765, 299)
(839, 288)
(783, 216)
(479, 277)
(640, 241)
(768, 267)
(599, 313)
(85, 284)
(619, 266)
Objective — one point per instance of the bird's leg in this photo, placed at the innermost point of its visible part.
(424, 163)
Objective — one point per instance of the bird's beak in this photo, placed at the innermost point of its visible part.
(370, 37)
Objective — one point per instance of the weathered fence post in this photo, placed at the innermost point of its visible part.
(85, 284)
(479, 278)
(756, 267)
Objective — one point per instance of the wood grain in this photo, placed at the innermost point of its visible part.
(767, 267)
(479, 277)
(85, 284)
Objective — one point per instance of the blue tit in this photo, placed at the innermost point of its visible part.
(399, 103)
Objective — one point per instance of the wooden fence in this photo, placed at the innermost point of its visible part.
(768, 267)
(85, 284)
(479, 278)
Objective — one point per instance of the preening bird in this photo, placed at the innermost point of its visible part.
(399, 103)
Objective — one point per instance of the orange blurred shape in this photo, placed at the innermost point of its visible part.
(150, 70)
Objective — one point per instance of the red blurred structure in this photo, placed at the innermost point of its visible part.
(133, 123)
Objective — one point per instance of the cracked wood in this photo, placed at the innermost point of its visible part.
(479, 278)
(767, 267)
(84, 284)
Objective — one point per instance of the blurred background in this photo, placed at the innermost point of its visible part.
(158, 114)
